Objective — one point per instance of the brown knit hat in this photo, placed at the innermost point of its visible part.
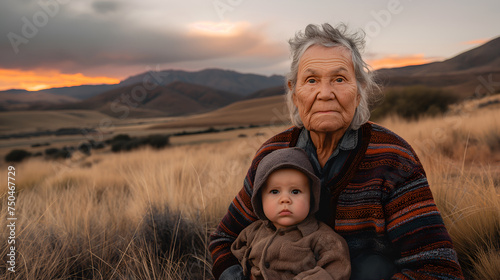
(294, 158)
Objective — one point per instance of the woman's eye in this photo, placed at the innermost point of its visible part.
(339, 80)
(311, 81)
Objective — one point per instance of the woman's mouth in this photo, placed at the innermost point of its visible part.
(324, 112)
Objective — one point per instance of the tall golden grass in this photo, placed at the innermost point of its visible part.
(147, 214)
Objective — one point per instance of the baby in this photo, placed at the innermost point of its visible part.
(287, 242)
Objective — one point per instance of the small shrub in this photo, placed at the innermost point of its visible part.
(38, 154)
(414, 102)
(51, 151)
(121, 137)
(118, 146)
(17, 155)
(85, 148)
(211, 130)
(172, 237)
(40, 144)
(98, 145)
(55, 153)
(132, 144)
(63, 153)
(492, 140)
(128, 144)
(157, 141)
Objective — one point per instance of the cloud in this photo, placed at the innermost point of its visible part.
(78, 39)
(104, 7)
(394, 60)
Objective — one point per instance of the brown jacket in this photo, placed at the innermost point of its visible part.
(309, 250)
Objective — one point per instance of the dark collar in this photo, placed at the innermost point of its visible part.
(306, 227)
(348, 141)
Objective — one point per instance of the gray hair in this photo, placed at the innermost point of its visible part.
(329, 36)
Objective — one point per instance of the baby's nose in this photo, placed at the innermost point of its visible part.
(285, 199)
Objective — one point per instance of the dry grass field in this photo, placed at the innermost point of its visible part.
(146, 214)
(19, 121)
(255, 112)
(267, 110)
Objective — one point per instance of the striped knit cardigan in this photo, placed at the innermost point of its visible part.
(383, 205)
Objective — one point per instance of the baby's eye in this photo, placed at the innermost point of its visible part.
(296, 191)
(274, 191)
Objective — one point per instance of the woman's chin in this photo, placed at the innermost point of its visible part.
(327, 127)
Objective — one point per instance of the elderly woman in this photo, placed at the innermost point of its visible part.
(374, 192)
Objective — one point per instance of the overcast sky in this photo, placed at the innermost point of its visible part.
(47, 43)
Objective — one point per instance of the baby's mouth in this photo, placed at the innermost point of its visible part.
(285, 212)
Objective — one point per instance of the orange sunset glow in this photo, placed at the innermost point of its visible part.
(217, 29)
(475, 42)
(398, 61)
(43, 79)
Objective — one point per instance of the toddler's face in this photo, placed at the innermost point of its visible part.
(286, 197)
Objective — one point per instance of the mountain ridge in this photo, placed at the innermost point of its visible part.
(175, 99)
(479, 59)
(179, 92)
(221, 79)
(467, 75)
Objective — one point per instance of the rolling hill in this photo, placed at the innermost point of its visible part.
(24, 100)
(22, 121)
(175, 99)
(259, 111)
(223, 80)
(279, 90)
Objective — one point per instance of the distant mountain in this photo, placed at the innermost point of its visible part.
(460, 74)
(484, 58)
(226, 80)
(76, 92)
(174, 99)
(223, 80)
(80, 92)
(177, 92)
(273, 91)
(18, 99)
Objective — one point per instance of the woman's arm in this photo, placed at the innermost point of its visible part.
(416, 228)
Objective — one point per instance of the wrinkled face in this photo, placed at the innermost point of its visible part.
(326, 90)
(286, 197)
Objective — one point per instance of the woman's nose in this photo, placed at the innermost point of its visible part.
(326, 91)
